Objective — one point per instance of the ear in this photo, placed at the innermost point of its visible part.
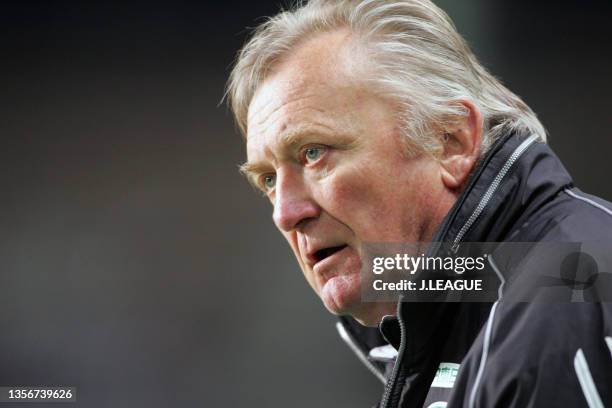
(461, 147)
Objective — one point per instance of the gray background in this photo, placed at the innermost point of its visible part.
(137, 264)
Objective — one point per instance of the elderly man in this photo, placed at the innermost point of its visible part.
(372, 121)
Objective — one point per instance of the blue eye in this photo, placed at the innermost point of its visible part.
(313, 154)
(269, 181)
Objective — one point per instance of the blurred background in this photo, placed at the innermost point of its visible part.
(135, 262)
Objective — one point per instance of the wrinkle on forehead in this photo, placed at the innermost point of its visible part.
(275, 101)
(316, 109)
(314, 104)
(321, 63)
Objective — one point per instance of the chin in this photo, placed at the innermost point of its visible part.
(341, 294)
(342, 297)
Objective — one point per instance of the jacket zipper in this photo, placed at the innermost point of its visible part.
(393, 379)
(491, 190)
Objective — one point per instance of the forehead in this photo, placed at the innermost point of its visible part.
(314, 85)
(288, 100)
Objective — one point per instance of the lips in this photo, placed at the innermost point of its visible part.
(318, 255)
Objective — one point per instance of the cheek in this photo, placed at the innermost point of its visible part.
(350, 189)
(380, 203)
(361, 195)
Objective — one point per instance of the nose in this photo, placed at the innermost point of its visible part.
(293, 202)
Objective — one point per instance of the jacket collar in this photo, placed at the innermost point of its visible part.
(515, 178)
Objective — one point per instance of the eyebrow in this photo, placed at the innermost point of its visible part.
(292, 137)
(288, 139)
(251, 171)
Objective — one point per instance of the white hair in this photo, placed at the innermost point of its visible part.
(418, 59)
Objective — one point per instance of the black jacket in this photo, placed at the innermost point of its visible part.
(554, 350)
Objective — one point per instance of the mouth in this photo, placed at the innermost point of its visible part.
(325, 253)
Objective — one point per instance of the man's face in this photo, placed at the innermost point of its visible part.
(328, 154)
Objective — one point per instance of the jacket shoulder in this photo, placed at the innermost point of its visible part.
(572, 216)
